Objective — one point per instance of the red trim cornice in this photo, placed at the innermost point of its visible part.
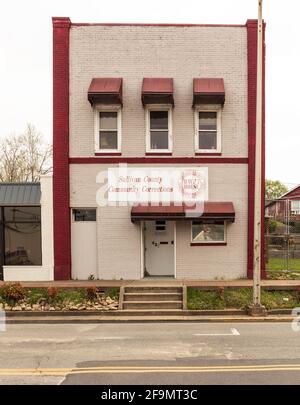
(156, 25)
(61, 193)
(158, 160)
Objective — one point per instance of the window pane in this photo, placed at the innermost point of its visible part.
(158, 119)
(84, 215)
(207, 140)
(108, 120)
(22, 214)
(208, 120)
(22, 244)
(159, 140)
(108, 140)
(213, 232)
(295, 207)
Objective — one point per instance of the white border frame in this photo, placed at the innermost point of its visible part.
(207, 108)
(107, 108)
(159, 107)
(203, 242)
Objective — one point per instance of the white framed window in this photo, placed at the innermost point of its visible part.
(208, 232)
(295, 207)
(208, 130)
(159, 128)
(107, 124)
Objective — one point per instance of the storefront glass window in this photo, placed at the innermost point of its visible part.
(22, 236)
(208, 232)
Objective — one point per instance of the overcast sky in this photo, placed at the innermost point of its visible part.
(26, 60)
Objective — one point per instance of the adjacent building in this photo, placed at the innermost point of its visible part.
(26, 231)
(286, 207)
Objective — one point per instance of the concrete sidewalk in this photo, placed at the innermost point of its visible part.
(162, 282)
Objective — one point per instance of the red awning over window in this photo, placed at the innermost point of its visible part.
(105, 90)
(208, 91)
(211, 210)
(157, 90)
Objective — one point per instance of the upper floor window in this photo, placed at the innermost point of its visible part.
(108, 129)
(208, 131)
(159, 129)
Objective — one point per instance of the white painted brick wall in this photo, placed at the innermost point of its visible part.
(134, 52)
(119, 243)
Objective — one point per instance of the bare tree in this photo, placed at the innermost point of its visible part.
(25, 157)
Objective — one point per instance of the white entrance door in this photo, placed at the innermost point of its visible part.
(159, 248)
(84, 244)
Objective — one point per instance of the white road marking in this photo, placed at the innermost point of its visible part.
(234, 332)
(111, 338)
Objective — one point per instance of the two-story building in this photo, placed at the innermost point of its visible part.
(164, 97)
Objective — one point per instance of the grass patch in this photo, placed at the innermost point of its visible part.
(239, 299)
(280, 264)
(34, 295)
(197, 299)
(283, 275)
(67, 296)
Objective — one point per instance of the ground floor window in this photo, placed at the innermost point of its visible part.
(21, 236)
(208, 232)
(84, 214)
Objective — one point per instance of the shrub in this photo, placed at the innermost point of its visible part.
(91, 293)
(272, 225)
(52, 293)
(220, 291)
(12, 292)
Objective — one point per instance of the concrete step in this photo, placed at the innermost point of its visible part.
(153, 289)
(151, 296)
(152, 304)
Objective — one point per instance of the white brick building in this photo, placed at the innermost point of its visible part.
(153, 96)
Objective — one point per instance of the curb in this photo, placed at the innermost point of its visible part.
(142, 313)
(37, 317)
(183, 319)
(124, 313)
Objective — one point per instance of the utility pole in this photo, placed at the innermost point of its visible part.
(257, 308)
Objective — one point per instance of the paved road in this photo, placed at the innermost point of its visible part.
(151, 353)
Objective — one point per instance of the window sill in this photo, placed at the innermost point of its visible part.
(108, 154)
(208, 154)
(209, 244)
(158, 154)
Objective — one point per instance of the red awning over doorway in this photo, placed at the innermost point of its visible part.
(220, 210)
